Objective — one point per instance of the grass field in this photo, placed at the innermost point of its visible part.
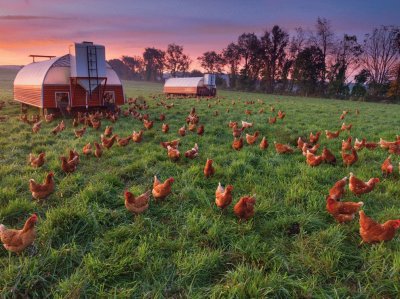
(88, 245)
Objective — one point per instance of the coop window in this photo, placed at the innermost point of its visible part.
(62, 98)
(109, 97)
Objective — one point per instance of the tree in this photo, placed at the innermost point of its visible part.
(308, 69)
(346, 60)
(195, 73)
(324, 39)
(154, 60)
(176, 60)
(251, 52)
(273, 45)
(211, 62)
(380, 56)
(122, 70)
(231, 55)
(135, 64)
(359, 90)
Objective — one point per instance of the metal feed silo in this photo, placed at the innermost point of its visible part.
(88, 65)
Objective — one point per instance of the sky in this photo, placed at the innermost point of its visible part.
(126, 27)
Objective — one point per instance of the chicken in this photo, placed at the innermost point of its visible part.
(300, 143)
(342, 211)
(108, 142)
(314, 138)
(332, 135)
(200, 130)
(371, 145)
(282, 148)
(251, 139)
(173, 153)
(192, 127)
(165, 128)
(313, 160)
(328, 156)
(60, 127)
(233, 124)
(79, 133)
(373, 232)
(359, 187)
(173, 143)
(342, 116)
(237, 144)
(36, 127)
(387, 166)
(162, 117)
(208, 168)
(244, 208)
(394, 149)
(17, 240)
(137, 205)
(281, 114)
(98, 151)
(247, 112)
(147, 124)
(96, 124)
(87, 149)
(123, 141)
(387, 144)
(237, 132)
(272, 120)
(264, 144)
(36, 161)
(359, 145)
(350, 159)
(108, 131)
(311, 149)
(182, 131)
(49, 118)
(338, 190)
(161, 190)
(223, 196)
(137, 136)
(346, 128)
(68, 166)
(192, 153)
(346, 144)
(41, 191)
(246, 124)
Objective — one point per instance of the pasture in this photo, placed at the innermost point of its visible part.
(89, 245)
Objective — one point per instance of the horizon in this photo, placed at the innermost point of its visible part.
(125, 28)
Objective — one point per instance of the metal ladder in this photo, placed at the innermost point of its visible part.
(92, 68)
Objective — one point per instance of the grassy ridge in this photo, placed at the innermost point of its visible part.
(89, 246)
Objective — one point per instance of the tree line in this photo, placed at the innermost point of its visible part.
(314, 62)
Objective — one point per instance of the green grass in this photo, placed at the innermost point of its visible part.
(88, 245)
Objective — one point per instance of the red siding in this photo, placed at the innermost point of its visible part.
(79, 95)
(181, 90)
(31, 95)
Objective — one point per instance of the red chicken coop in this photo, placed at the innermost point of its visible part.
(82, 79)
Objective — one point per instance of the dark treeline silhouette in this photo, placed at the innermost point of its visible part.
(310, 62)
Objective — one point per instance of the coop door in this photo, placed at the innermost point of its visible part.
(62, 99)
(109, 97)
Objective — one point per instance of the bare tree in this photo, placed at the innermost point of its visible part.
(381, 54)
(324, 39)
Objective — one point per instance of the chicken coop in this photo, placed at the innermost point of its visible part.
(80, 79)
(196, 86)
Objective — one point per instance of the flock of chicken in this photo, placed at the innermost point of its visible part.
(370, 231)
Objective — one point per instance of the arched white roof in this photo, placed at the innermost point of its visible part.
(34, 73)
(184, 82)
(55, 71)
